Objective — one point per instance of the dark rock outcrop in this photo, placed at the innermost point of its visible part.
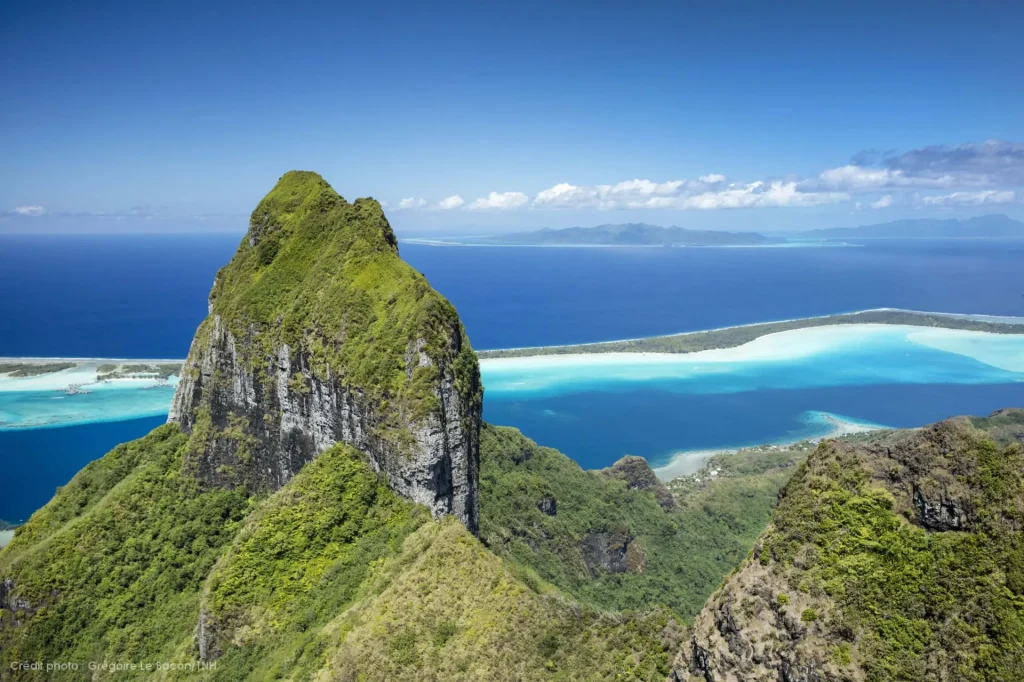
(638, 475)
(941, 514)
(614, 552)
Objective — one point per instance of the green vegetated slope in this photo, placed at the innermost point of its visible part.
(898, 557)
(341, 295)
(617, 538)
(330, 575)
(333, 575)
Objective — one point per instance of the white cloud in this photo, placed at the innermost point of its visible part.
(990, 196)
(759, 194)
(449, 203)
(501, 201)
(563, 194)
(681, 194)
(411, 202)
(606, 197)
(30, 210)
(853, 178)
(971, 174)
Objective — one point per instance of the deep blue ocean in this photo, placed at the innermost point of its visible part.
(143, 296)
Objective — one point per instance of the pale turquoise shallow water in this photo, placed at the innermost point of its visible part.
(848, 355)
(861, 355)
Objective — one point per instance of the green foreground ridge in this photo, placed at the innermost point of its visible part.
(327, 504)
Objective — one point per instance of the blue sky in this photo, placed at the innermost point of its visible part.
(496, 116)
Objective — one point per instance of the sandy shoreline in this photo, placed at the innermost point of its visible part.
(996, 319)
(5, 537)
(689, 461)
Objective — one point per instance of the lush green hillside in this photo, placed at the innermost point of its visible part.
(896, 557)
(616, 538)
(333, 575)
(302, 517)
(305, 282)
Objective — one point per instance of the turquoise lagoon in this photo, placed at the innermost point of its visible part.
(74, 397)
(670, 408)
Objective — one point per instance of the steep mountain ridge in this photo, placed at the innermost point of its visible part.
(318, 333)
(308, 512)
(892, 557)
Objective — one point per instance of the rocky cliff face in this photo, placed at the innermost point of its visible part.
(319, 334)
(896, 556)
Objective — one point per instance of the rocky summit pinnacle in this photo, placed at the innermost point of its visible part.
(318, 333)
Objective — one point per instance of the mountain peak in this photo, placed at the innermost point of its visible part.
(318, 334)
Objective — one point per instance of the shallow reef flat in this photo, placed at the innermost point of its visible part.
(836, 355)
(833, 355)
(732, 337)
(83, 391)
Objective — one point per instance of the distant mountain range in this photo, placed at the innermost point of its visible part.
(986, 226)
(633, 234)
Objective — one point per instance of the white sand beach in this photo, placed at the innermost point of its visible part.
(687, 462)
(880, 342)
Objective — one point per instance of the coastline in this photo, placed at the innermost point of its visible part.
(85, 375)
(892, 316)
(688, 462)
(5, 537)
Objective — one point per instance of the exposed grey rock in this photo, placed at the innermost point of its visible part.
(607, 551)
(269, 416)
(941, 514)
(13, 605)
(548, 505)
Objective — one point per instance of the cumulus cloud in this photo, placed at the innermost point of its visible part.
(625, 194)
(760, 194)
(682, 194)
(853, 178)
(995, 164)
(970, 174)
(990, 162)
(501, 201)
(411, 202)
(990, 196)
(449, 203)
(30, 210)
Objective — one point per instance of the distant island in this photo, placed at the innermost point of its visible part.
(996, 226)
(631, 234)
